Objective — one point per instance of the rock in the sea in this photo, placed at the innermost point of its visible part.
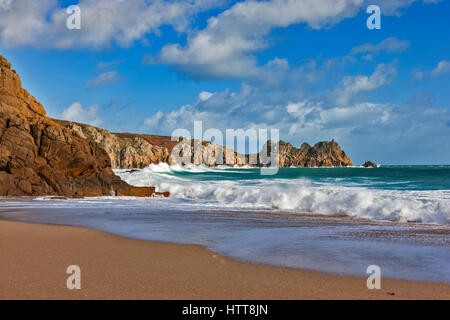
(40, 157)
(369, 164)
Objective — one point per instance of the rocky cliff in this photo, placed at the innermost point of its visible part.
(44, 156)
(128, 150)
(125, 151)
(38, 156)
(322, 154)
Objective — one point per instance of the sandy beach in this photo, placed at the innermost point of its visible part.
(34, 259)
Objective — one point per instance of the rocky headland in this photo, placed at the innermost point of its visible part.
(131, 151)
(39, 156)
(44, 156)
(322, 154)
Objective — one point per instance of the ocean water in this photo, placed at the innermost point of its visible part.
(392, 193)
(334, 220)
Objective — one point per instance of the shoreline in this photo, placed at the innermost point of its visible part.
(35, 258)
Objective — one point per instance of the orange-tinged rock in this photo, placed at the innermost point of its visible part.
(40, 157)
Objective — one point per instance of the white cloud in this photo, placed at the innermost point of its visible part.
(389, 45)
(5, 4)
(205, 95)
(236, 32)
(352, 85)
(366, 130)
(22, 22)
(104, 78)
(443, 67)
(103, 22)
(154, 120)
(225, 47)
(76, 113)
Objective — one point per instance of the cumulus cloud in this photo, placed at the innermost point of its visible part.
(103, 78)
(43, 23)
(352, 85)
(363, 128)
(76, 113)
(443, 67)
(242, 27)
(225, 48)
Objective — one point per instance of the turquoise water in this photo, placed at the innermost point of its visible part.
(384, 177)
(394, 193)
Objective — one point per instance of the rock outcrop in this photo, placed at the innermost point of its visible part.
(209, 154)
(135, 151)
(44, 156)
(370, 164)
(129, 151)
(38, 156)
(182, 151)
(322, 154)
(125, 151)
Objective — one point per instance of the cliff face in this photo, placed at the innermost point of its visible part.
(128, 151)
(322, 154)
(125, 151)
(40, 157)
(43, 156)
(209, 154)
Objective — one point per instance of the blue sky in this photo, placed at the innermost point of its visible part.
(309, 68)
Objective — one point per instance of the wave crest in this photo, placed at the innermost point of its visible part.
(294, 195)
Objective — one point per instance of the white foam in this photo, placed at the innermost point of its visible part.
(295, 195)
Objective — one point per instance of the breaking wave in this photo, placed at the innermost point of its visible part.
(237, 188)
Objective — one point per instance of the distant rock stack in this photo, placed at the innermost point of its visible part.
(322, 154)
(369, 164)
(40, 157)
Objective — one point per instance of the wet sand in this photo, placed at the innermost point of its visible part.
(34, 259)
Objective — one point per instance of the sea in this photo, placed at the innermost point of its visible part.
(332, 220)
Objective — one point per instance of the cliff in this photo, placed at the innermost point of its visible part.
(38, 156)
(125, 151)
(322, 154)
(128, 150)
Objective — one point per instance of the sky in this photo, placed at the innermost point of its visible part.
(310, 68)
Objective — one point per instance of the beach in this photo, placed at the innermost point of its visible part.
(34, 259)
